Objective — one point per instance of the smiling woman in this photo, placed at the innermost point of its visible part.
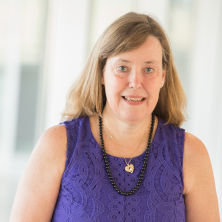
(125, 35)
(132, 81)
(120, 154)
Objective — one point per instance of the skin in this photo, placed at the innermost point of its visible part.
(38, 189)
(137, 74)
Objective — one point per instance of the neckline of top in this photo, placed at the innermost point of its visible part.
(159, 123)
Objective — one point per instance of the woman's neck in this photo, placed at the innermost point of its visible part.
(125, 131)
(122, 139)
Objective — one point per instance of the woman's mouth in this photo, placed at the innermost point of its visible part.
(133, 99)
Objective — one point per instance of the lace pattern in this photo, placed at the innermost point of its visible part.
(87, 195)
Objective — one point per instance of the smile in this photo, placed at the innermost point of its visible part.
(134, 99)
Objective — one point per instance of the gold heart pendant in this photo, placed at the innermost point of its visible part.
(129, 168)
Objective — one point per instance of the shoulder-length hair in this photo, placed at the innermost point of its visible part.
(87, 96)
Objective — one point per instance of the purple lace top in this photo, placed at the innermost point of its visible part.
(86, 193)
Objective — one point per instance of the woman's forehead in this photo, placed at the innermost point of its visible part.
(149, 52)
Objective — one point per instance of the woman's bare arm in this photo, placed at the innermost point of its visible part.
(199, 186)
(39, 186)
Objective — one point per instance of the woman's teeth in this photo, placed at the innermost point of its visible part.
(133, 99)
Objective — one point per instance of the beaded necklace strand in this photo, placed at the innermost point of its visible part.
(106, 161)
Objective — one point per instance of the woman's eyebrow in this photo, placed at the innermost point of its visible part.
(151, 62)
(123, 60)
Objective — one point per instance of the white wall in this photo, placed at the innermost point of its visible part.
(65, 52)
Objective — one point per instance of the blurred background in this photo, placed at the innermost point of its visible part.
(43, 47)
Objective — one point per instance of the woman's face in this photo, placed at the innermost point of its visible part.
(132, 81)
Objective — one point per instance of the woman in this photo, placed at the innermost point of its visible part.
(120, 154)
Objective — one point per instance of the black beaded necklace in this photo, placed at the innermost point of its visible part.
(106, 161)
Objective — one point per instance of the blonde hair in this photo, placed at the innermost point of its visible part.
(87, 96)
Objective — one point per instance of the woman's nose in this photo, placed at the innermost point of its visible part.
(135, 79)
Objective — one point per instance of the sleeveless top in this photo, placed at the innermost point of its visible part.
(87, 195)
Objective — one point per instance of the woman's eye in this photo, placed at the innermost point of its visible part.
(148, 69)
(122, 68)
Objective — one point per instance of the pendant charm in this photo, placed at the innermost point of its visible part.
(129, 168)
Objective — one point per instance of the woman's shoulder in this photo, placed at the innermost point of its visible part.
(54, 139)
(195, 159)
(52, 143)
(194, 149)
(194, 145)
(55, 135)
